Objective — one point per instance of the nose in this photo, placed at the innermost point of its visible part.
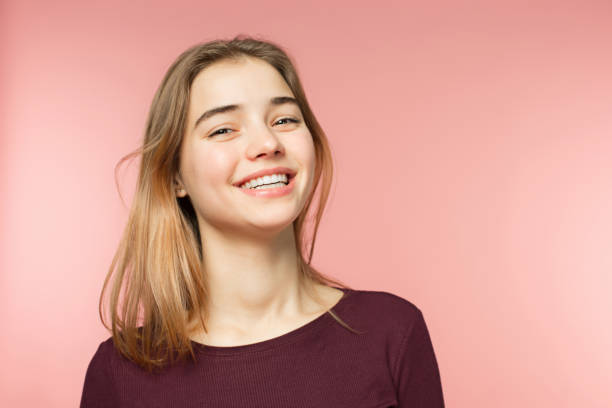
(264, 141)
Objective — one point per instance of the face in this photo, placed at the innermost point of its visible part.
(223, 148)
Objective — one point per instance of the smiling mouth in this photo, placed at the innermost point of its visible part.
(270, 191)
(289, 178)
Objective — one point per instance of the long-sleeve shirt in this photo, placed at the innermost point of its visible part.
(319, 364)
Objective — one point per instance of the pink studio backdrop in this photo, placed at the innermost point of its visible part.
(474, 157)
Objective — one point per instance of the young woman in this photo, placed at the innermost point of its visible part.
(213, 303)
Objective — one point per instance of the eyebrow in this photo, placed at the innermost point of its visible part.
(278, 100)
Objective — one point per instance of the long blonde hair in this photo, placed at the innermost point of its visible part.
(158, 263)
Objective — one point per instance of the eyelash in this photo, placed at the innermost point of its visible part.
(216, 132)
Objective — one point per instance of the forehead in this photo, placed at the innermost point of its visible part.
(240, 81)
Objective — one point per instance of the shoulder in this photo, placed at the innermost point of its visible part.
(387, 323)
(103, 356)
(103, 352)
(106, 350)
(389, 315)
(106, 357)
(383, 308)
(98, 386)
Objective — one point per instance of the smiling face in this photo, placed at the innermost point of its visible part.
(219, 149)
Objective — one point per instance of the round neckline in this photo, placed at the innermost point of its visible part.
(274, 342)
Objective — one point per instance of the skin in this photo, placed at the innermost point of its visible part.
(249, 251)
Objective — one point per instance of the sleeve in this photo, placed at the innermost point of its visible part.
(98, 389)
(417, 374)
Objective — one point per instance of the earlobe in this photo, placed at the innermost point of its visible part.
(178, 188)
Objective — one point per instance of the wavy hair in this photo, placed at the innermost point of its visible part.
(158, 281)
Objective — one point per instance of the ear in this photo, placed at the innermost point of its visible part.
(179, 189)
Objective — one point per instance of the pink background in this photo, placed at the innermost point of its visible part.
(473, 148)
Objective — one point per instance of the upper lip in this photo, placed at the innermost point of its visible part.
(267, 172)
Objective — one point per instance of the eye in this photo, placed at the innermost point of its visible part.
(218, 132)
(289, 119)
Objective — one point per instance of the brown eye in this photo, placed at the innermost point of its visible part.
(218, 132)
(288, 119)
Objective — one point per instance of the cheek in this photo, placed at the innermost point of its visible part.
(218, 166)
(208, 168)
(303, 149)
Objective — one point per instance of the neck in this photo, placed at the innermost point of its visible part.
(252, 282)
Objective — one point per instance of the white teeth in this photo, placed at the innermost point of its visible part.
(271, 179)
(275, 185)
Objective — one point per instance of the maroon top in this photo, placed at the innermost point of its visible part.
(320, 364)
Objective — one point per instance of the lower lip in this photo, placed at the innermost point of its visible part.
(270, 192)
